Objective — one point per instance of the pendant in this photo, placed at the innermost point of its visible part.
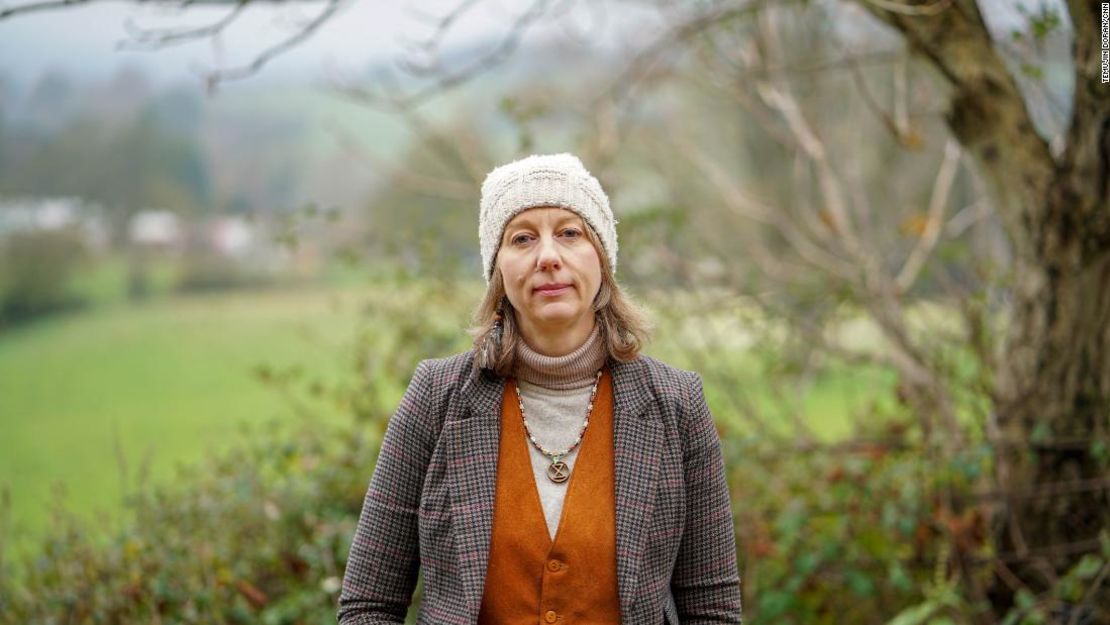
(558, 472)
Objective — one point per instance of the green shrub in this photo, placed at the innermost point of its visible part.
(202, 272)
(35, 272)
(832, 536)
(259, 535)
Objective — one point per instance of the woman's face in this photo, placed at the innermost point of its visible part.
(550, 269)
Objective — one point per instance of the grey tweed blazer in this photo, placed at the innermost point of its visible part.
(430, 502)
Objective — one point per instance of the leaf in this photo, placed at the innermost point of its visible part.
(1088, 567)
(914, 615)
(899, 578)
(860, 583)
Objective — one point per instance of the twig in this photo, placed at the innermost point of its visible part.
(392, 98)
(939, 199)
(644, 61)
(34, 7)
(742, 204)
(902, 9)
(214, 78)
(442, 25)
(890, 122)
(154, 38)
(1050, 489)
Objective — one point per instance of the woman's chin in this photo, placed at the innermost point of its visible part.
(555, 313)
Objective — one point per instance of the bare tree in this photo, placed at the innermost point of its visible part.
(1050, 391)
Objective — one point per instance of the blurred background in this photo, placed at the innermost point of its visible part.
(230, 230)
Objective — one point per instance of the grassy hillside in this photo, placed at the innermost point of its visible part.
(162, 383)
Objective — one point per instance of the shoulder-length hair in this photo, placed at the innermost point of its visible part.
(623, 325)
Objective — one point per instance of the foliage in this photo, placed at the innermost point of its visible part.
(835, 536)
(258, 535)
(35, 271)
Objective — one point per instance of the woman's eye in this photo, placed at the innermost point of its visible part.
(520, 239)
(572, 232)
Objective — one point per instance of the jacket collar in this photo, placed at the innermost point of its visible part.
(631, 390)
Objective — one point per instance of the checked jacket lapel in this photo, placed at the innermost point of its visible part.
(473, 450)
(473, 467)
(636, 442)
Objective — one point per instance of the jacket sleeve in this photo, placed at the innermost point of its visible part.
(705, 582)
(384, 559)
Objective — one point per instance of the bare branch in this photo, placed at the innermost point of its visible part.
(214, 78)
(742, 204)
(966, 217)
(390, 97)
(928, 239)
(987, 109)
(157, 38)
(904, 9)
(154, 38)
(1042, 490)
(644, 62)
(429, 45)
(898, 122)
(824, 237)
(832, 193)
(774, 93)
(34, 7)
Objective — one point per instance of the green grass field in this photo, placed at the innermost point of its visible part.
(165, 383)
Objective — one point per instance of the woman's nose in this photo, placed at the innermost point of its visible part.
(548, 258)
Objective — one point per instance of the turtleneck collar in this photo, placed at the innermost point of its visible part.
(574, 370)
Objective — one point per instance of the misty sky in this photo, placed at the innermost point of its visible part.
(84, 40)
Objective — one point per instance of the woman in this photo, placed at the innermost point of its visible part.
(550, 475)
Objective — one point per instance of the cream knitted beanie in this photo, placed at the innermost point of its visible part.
(542, 180)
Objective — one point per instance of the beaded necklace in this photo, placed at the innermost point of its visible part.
(558, 471)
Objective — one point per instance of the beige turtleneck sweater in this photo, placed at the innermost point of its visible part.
(555, 391)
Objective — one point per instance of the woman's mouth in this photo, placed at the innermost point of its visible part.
(552, 290)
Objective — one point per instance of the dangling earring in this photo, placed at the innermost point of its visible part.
(491, 346)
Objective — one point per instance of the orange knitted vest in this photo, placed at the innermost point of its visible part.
(531, 580)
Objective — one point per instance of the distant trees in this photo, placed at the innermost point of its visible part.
(137, 165)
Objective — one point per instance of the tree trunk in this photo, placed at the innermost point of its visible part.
(1052, 394)
(1053, 406)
